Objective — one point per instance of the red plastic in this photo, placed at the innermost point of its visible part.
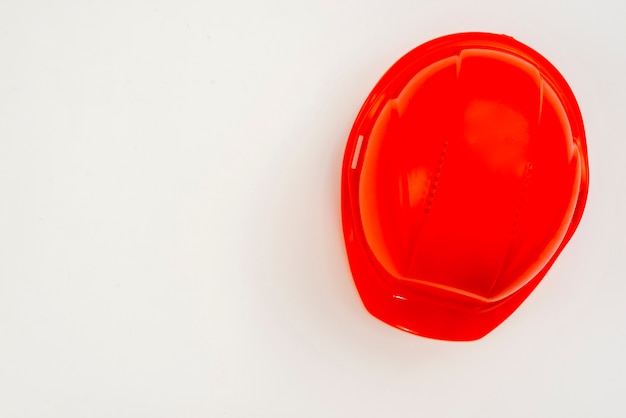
(464, 176)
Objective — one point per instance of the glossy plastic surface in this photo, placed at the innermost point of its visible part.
(464, 176)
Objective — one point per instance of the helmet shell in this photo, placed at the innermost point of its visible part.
(464, 176)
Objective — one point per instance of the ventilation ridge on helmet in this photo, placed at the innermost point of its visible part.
(435, 180)
(525, 181)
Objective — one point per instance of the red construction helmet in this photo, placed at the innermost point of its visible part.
(464, 176)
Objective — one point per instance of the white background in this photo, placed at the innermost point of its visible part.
(170, 232)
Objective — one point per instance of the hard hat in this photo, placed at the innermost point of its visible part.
(464, 176)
